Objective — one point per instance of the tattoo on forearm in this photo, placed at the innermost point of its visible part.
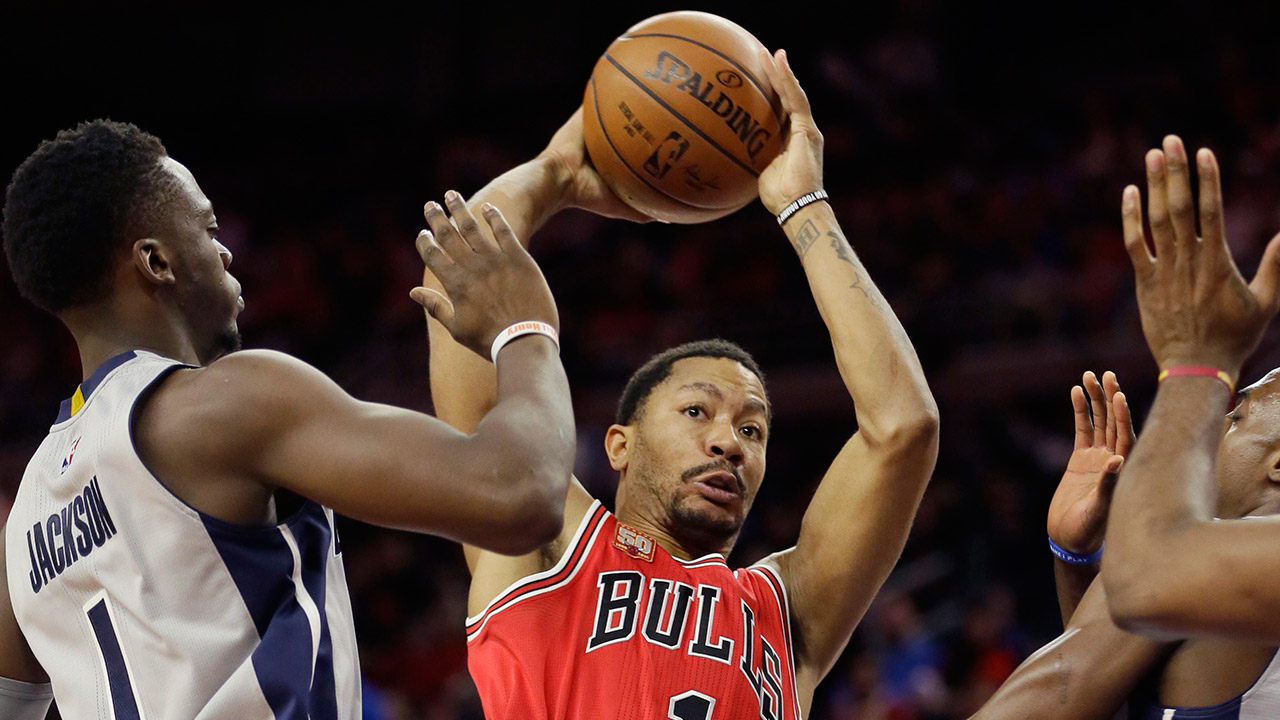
(805, 237)
(862, 284)
(859, 281)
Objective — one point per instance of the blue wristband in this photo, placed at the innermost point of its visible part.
(1067, 556)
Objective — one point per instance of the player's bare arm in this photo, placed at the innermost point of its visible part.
(283, 424)
(857, 523)
(25, 692)
(1166, 552)
(1078, 512)
(17, 662)
(1087, 673)
(463, 386)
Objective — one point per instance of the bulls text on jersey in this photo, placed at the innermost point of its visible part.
(666, 611)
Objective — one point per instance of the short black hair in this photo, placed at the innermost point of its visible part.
(72, 204)
(658, 368)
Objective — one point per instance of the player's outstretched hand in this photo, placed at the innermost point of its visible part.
(798, 168)
(489, 284)
(584, 187)
(1104, 437)
(1196, 308)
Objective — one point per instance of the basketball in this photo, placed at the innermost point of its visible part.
(680, 118)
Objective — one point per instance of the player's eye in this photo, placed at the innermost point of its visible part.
(694, 411)
(751, 431)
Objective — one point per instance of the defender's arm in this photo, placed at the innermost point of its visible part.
(1087, 673)
(1077, 518)
(1171, 569)
(280, 423)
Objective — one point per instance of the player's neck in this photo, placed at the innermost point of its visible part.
(680, 550)
(103, 330)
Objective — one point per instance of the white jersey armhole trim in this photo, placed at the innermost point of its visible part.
(543, 574)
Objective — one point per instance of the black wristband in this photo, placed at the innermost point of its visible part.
(803, 200)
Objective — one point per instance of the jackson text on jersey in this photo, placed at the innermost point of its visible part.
(621, 629)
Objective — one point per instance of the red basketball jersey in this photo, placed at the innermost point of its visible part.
(621, 629)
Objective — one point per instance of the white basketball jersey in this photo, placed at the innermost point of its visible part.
(139, 606)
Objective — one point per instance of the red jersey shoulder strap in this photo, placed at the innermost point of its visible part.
(778, 589)
(559, 574)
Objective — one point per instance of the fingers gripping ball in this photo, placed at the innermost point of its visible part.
(680, 118)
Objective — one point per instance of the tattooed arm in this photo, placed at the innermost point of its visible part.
(858, 520)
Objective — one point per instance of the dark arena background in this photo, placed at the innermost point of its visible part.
(975, 155)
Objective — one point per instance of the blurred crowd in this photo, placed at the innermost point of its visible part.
(978, 179)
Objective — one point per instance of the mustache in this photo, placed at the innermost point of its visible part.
(724, 465)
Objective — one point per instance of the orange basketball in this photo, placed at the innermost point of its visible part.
(680, 118)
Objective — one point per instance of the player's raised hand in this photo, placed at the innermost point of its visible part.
(584, 188)
(1196, 308)
(798, 168)
(1104, 436)
(489, 284)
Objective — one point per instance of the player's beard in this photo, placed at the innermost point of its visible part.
(228, 341)
(703, 527)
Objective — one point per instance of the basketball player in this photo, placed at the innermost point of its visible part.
(1172, 570)
(171, 552)
(1094, 668)
(636, 615)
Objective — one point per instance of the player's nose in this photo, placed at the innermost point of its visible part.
(225, 255)
(722, 441)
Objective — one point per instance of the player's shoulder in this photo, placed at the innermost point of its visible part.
(240, 394)
(239, 381)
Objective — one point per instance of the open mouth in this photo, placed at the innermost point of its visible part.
(720, 486)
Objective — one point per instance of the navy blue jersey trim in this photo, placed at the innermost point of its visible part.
(93, 381)
(261, 566)
(123, 703)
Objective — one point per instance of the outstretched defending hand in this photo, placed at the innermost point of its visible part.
(798, 168)
(584, 188)
(490, 284)
(1078, 512)
(1196, 308)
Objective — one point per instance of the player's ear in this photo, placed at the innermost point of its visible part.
(617, 445)
(154, 260)
(1273, 467)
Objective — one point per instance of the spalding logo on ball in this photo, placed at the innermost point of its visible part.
(680, 118)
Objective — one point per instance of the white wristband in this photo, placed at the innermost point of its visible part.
(803, 200)
(526, 327)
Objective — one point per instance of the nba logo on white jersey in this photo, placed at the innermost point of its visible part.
(66, 463)
(140, 606)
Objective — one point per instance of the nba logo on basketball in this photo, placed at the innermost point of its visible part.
(666, 155)
(634, 543)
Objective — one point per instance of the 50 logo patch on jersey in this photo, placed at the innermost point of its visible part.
(634, 543)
